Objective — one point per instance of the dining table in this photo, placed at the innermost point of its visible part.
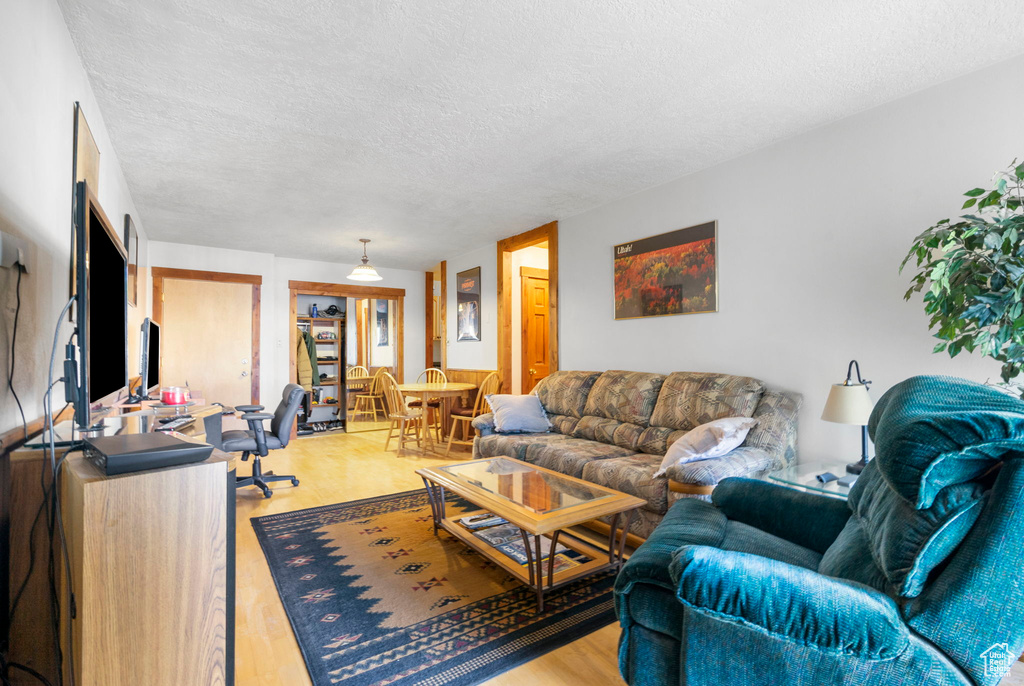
(428, 391)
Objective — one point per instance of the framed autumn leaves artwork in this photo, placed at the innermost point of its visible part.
(672, 273)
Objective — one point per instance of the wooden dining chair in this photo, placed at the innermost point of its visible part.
(372, 401)
(356, 372)
(463, 416)
(406, 422)
(433, 418)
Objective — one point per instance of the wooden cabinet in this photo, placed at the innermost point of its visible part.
(152, 562)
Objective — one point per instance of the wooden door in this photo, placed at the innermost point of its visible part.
(536, 364)
(207, 332)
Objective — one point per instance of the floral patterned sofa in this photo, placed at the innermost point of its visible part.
(613, 428)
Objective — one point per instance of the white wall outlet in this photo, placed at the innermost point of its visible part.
(13, 251)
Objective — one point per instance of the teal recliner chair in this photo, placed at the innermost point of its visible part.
(917, 579)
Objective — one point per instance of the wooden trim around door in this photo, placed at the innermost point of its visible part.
(160, 273)
(344, 290)
(428, 320)
(442, 316)
(549, 233)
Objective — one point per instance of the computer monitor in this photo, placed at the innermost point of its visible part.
(149, 365)
(101, 291)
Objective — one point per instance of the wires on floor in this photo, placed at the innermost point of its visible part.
(14, 340)
(5, 672)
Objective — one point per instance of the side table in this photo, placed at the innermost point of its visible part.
(804, 476)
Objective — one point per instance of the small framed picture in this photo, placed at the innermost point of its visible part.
(468, 302)
(131, 244)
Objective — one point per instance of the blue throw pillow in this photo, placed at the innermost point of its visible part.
(517, 414)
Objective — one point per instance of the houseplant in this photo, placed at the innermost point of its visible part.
(973, 270)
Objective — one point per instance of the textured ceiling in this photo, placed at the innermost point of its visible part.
(437, 126)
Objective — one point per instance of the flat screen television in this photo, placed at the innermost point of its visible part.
(101, 292)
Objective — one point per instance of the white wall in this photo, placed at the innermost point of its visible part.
(482, 354)
(811, 234)
(274, 317)
(527, 257)
(41, 77)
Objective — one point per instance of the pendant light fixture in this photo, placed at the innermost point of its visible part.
(364, 271)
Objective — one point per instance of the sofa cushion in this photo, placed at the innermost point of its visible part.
(511, 445)
(563, 424)
(565, 392)
(744, 461)
(655, 440)
(632, 475)
(904, 543)
(708, 441)
(625, 396)
(571, 455)
(594, 428)
(934, 431)
(689, 399)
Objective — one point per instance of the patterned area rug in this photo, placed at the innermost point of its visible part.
(376, 598)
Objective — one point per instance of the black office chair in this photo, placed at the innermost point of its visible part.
(258, 442)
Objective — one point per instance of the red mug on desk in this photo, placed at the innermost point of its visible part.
(174, 395)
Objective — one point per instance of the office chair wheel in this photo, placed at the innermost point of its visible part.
(295, 482)
(267, 493)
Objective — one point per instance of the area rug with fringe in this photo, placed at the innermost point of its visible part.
(375, 597)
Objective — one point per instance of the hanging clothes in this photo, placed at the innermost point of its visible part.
(311, 351)
(303, 366)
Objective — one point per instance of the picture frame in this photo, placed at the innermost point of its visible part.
(131, 244)
(383, 337)
(467, 301)
(668, 274)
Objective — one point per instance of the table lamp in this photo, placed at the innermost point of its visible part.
(849, 403)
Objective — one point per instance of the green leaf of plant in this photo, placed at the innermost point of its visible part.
(975, 192)
(969, 203)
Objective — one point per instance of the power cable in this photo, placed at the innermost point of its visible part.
(14, 340)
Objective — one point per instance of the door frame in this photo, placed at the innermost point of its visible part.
(532, 273)
(546, 233)
(428, 302)
(342, 290)
(158, 275)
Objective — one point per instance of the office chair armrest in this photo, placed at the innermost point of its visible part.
(255, 420)
(248, 408)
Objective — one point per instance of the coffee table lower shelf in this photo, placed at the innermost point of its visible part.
(533, 574)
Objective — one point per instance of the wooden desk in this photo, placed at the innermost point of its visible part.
(152, 564)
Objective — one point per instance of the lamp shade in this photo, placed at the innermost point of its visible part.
(364, 272)
(848, 404)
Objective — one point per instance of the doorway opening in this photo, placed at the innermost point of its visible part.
(528, 307)
(194, 307)
(530, 296)
(365, 336)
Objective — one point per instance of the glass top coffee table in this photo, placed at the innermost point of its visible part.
(541, 503)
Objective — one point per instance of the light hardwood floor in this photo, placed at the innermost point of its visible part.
(336, 468)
